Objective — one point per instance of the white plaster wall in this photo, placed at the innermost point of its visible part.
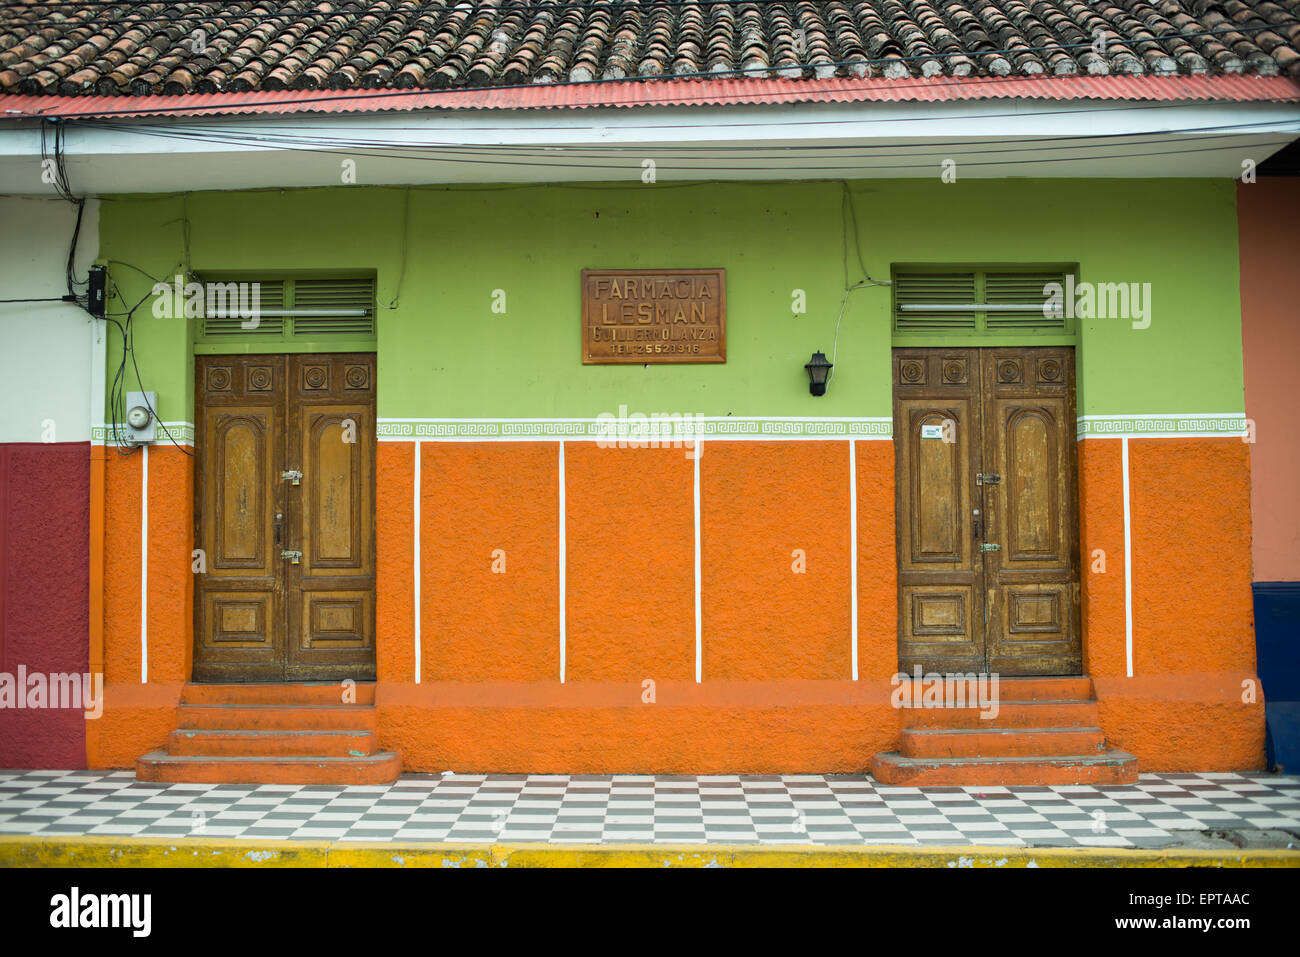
(45, 347)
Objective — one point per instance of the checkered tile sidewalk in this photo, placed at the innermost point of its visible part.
(790, 809)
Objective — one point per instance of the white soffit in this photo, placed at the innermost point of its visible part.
(986, 139)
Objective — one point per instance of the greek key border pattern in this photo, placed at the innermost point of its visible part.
(1226, 424)
(182, 432)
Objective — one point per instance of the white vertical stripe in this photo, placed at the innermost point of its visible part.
(563, 634)
(144, 564)
(416, 562)
(699, 620)
(853, 553)
(1128, 563)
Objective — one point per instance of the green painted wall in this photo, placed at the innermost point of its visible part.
(444, 353)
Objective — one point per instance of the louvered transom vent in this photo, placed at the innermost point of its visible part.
(942, 291)
(258, 310)
(232, 306)
(977, 302)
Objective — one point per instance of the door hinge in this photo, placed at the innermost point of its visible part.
(293, 475)
(987, 478)
(990, 547)
(294, 556)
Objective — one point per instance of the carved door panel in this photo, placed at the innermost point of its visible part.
(331, 589)
(1032, 579)
(988, 560)
(239, 454)
(284, 516)
(940, 577)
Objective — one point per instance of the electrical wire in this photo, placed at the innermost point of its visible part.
(848, 215)
(337, 144)
(406, 241)
(446, 155)
(117, 388)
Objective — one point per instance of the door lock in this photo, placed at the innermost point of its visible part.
(293, 475)
(981, 478)
(295, 557)
(984, 547)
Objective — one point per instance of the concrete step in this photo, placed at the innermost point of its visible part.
(265, 717)
(381, 768)
(1045, 689)
(999, 742)
(259, 744)
(1010, 714)
(1109, 767)
(315, 693)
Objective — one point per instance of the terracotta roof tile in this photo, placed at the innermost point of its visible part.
(100, 47)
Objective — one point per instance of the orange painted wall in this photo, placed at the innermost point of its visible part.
(630, 580)
(394, 561)
(759, 503)
(1101, 529)
(137, 717)
(877, 562)
(1270, 322)
(476, 498)
(776, 695)
(1193, 637)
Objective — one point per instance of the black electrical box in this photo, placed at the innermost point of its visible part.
(97, 294)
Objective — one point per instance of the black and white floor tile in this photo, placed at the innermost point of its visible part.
(725, 809)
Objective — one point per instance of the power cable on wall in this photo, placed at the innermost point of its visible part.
(849, 223)
(406, 241)
(419, 150)
(117, 389)
(452, 154)
(53, 158)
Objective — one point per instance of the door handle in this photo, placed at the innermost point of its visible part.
(278, 517)
(975, 523)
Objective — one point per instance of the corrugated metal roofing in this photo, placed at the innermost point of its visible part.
(721, 92)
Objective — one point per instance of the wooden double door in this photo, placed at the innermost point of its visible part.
(285, 518)
(988, 558)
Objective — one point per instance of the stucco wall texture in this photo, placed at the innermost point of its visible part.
(44, 583)
(1193, 701)
(1270, 332)
(777, 693)
(138, 715)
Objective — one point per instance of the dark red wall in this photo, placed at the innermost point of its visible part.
(44, 592)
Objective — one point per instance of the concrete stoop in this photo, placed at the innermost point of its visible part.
(1046, 731)
(273, 734)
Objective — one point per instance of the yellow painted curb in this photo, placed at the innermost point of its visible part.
(29, 851)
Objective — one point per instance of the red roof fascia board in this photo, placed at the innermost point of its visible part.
(642, 93)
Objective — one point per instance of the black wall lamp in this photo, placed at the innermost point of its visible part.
(819, 370)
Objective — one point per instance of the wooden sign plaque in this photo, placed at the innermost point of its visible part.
(654, 315)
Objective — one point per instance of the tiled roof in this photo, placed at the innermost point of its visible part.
(98, 47)
(638, 93)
